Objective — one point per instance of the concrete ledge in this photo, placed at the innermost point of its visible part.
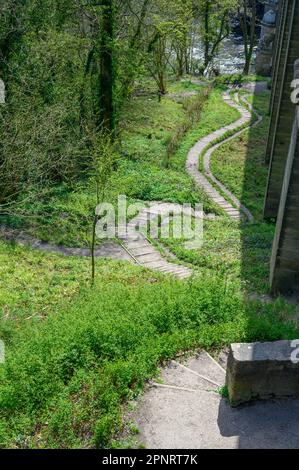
(261, 371)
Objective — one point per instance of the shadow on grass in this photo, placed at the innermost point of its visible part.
(257, 236)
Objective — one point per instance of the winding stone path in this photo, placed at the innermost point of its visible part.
(135, 246)
(142, 250)
(108, 249)
(236, 211)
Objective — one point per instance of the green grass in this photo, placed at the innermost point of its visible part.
(76, 354)
(32, 284)
(67, 373)
(241, 254)
(186, 85)
(64, 216)
(216, 114)
(240, 163)
(237, 79)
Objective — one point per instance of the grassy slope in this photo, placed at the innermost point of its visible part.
(64, 216)
(216, 114)
(74, 354)
(69, 370)
(240, 164)
(241, 254)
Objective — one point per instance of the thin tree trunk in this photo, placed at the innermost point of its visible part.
(107, 67)
(206, 35)
(93, 243)
(249, 39)
(137, 34)
(252, 37)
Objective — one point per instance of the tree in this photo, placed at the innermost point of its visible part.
(247, 11)
(181, 37)
(103, 162)
(107, 73)
(11, 29)
(170, 23)
(132, 40)
(159, 58)
(214, 17)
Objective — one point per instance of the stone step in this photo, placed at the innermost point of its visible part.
(149, 258)
(142, 251)
(156, 264)
(171, 268)
(135, 242)
(167, 268)
(138, 245)
(133, 237)
(205, 365)
(180, 377)
(261, 371)
(223, 358)
(181, 275)
(181, 269)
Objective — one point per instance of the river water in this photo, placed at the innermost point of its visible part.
(230, 57)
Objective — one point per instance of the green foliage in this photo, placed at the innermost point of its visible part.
(50, 282)
(224, 392)
(63, 213)
(169, 185)
(241, 255)
(169, 36)
(214, 18)
(41, 140)
(193, 108)
(242, 252)
(75, 354)
(66, 377)
(215, 114)
(237, 79)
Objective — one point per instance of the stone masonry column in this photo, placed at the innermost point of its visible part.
(282, 112)
(284, 276)
(265, 52)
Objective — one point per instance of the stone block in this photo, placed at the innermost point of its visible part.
(261, 371)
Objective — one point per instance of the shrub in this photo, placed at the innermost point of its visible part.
(65, 379)
(193, 108)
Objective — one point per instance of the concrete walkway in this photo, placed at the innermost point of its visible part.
(185, 411)
(108, 249)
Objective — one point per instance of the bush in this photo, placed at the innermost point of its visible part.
(41, 136)
(65, 379)
(193, 108)
(238, 79)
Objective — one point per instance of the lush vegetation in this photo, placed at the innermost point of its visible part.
(241, 253)
(70, 368)
(64, 214)
(101, 101)
(240, 164)
(75, 354)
